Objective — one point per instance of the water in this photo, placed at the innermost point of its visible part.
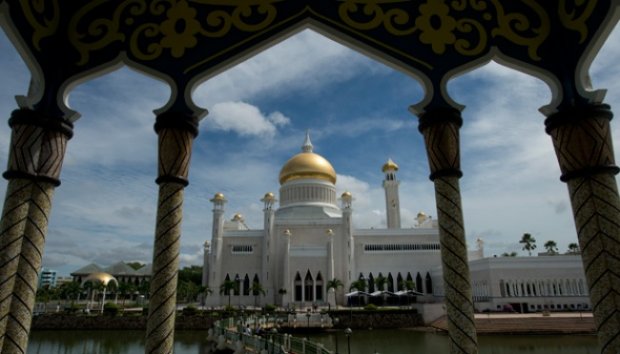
(362, 342)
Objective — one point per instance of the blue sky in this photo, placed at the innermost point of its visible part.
(357, 112)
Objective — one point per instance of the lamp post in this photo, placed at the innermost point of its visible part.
(348, 332)
(335, 322)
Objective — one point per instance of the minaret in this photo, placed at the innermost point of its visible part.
(267, 279)
(392, 203)
(347, 226)
(215, 260)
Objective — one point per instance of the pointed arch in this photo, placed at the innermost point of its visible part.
(390, 282)
(319, 287)
(308, 285)
(246, 285)
(418, 283)
(429, 283)
(237, 285)
(297, 288)
(399, 282)
(371, 283)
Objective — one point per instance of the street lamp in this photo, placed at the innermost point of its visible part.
(308, 316)
(335, 323)
(348, 332)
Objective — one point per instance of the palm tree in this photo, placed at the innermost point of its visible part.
(407, 284)
(70, 291)
(511, 254)
(226, 287)
(334, 283)
(380, 282)
(205, 291)
(551, 247)
(529, 243)
(257, 289)
(573, 248)
(359, 284)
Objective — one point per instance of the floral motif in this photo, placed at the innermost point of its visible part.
(180, 29)
(436, 26)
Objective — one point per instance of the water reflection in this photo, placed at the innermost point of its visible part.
(362, 342)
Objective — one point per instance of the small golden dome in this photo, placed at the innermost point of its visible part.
(237, 217)
(389, 166)
(100, 277)
(218, 197)
(346, 194)
(421, 214)
(306, 165)
(269, 196)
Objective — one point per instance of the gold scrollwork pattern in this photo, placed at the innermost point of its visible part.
(574, 21)
(442, 24)
(35, 12)
(173, 26)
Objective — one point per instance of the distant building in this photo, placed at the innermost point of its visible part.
(47, 278)
(121, 271)
(526, 284)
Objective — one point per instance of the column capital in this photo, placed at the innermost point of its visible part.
(440, 128)
(177, 121)
(582, 140)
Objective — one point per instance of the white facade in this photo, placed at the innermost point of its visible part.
(527, 284)
(310, 240)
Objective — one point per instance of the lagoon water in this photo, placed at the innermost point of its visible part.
(362, 342)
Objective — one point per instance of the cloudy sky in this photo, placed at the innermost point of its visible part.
(357, 112)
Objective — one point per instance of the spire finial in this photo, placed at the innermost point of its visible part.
(307, 146)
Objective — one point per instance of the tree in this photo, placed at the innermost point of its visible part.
(135, 265)
(70, 291)
(334, 284)
(573, 248)
(359, 284)
(529, 243)
(407, 284)
(380, 282)
(125, 289)
(226, 287)
(205, 291)
(551, 247)
(257, 289)
(511, 254)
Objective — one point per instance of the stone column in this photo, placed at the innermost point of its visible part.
(440, 128)
(175, 142)
(35, 159)
(582, 140)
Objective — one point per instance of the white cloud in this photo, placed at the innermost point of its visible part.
(244, 119)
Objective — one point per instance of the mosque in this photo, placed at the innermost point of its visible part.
(309, 240)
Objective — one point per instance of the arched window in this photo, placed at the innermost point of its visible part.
(308, 287)
(502, 289)
(237, 285)
(246, 285)
(429, 284)
(390, 282)
(371, 283)
(298, 287)
(418, 283)
(256, 280)
(319, 287)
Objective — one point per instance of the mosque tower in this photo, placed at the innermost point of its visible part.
(213, 279)
(392, 203)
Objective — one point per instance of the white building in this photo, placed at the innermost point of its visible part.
(526, 284)
(47, 278)
(309, 239)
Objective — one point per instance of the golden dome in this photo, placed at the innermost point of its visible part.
(218, 197)
(421, 214)
(307, 164)
(100, 277)
(269, 196)
(346, 194)
(389, 166)
(237, 217)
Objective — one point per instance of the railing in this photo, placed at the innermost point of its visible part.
(230, 333)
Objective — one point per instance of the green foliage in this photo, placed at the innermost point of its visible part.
(110, 309)
(370, 307)
(189, 310)
(573, 248)
(269, 308)
(192, 274)
(529, 243)
(511, 254)
(334, 283)
(551, 247)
